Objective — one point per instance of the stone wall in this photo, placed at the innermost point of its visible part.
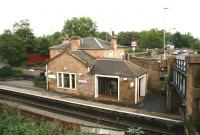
(154, 67)
(193, 88)
(67, 63)
(119, 53)
(54, 52)
(127, 93)
(192, 98)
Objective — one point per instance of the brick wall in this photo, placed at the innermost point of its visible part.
(67, 63)
(127, 93)
(54, 52)
(153, 67)
(193, 88)
(105, 53)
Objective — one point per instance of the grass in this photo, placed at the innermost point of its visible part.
(14, 122)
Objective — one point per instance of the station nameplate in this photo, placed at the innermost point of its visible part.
(82, 81)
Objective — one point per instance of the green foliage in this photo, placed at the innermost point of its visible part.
(23, 31)
(125, 38)
(182, 41)
(14, 122)
(128, 50)
(151, 39)
(135, 131)
(196, 46)
(83, 27)
(15, 45)
(8, 71)
(104, 35)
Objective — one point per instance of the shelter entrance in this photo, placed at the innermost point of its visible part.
(107, 87)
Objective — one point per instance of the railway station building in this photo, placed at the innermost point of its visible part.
(94, 68)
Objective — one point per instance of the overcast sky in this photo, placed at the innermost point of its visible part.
(48, 16)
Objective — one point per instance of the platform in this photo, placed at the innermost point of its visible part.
(52, 95)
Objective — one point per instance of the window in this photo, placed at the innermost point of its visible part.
(66, 80)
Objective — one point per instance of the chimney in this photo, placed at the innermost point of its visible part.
(65, 39)
(114, 42)
(75, 43)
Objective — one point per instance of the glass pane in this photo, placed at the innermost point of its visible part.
(66, 81)
(73, 81)
(59, 79)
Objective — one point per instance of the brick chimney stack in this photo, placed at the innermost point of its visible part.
(114, 42)
(65, 39)
(75, 43)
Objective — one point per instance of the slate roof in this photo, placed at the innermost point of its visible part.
(88, 43)
(83, 56)
(117, 67)
(61, 46)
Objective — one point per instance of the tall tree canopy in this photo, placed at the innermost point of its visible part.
(19, 42)
(11, 49)
(23, 31)
(83, 27)
(104, 35)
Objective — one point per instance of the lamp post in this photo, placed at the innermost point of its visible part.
(164, 35)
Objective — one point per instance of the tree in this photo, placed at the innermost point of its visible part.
(125, 38)
(83, 27)
(55, 38)
(10, 48)
(104, 35)
(196, 46)
(151, 39)
(24, 32)
(42, 45)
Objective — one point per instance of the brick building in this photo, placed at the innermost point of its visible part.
(93, 46)
(95, 69)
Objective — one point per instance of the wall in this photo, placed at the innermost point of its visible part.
(193, 88)
(54, 52)
(85, 90)
(127, 93)
(105, 53)
(153, 68)
(74, 66)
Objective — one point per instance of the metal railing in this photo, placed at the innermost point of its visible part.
(178, 76)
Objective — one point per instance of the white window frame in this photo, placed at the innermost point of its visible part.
(62, 79)
(108, 76)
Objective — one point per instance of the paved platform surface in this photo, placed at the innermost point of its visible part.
(29, 88)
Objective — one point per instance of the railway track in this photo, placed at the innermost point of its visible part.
(150, 126)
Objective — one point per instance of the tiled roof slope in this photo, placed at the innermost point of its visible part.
(61, 46)
(88, 43)
(117, 67)
(83, 56)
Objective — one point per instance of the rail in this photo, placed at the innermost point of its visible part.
(120, 119)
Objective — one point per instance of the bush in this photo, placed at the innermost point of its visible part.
(135, 131)
(14, 122)
(40, 81)
(8, 71)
